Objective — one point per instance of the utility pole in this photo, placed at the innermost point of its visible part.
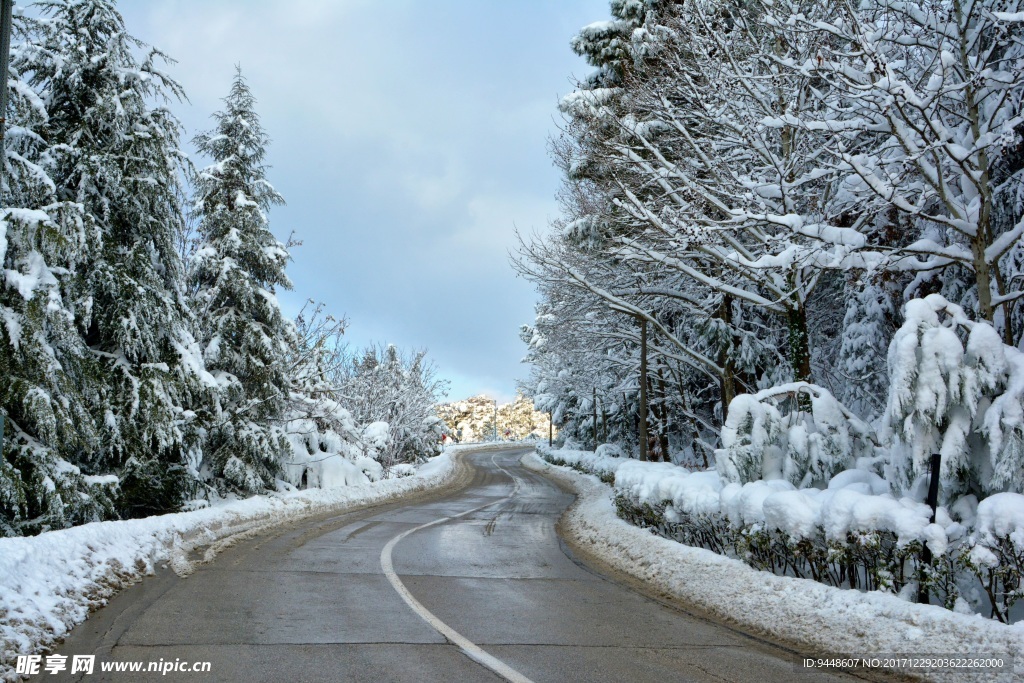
(643, 389)
(595, 418)
(495, 420)
(551, 428)
(6, 9)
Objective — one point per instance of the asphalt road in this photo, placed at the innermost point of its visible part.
(490, 588)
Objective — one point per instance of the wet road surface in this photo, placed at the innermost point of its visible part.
(488, 589)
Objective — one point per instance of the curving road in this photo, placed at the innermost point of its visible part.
(462, 586)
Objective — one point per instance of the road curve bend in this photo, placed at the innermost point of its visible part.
(466, 586)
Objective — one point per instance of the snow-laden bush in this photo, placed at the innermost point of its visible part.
(995, 551)
(955, 389)
(601, 466)
(854, 534)
(797, 432)
(609, 450)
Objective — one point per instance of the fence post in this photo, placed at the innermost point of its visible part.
(933, 502)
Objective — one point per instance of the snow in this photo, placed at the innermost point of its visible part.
(822, 619)
(49, 583)
(943, 397)
(856, 502)
(1000, 515)
(377, 434)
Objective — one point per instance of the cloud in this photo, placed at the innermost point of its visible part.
(409, 139)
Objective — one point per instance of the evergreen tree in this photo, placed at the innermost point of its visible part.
(109, 168)
(43, 359)
(867, 328)
(239, 263)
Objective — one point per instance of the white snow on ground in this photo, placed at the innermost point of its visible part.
(822, 619)
(49, 583)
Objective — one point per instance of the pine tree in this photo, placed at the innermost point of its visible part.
(113, 162)
(239, 263)
(43, 359)
(867, 328)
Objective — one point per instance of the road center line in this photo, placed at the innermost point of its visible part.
(471, 649)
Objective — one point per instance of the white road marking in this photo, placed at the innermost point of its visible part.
(471, 649)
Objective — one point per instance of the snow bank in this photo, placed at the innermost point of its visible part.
(855, 500)
(600, 463)
(49, 583)
(819, 618)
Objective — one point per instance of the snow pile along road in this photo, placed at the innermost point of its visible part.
(816, 618)
(49, 583)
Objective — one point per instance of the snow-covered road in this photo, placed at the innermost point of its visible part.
(446, 588)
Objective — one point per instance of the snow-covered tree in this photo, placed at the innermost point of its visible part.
(932, 90)
(769, 435)
(113, 151)
(383, 386)
(956, 390)
(693, 206)
(47, 369)
(234, 272)
(327, 447)
(868, 325)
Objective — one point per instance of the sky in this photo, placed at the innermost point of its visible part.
(410, 141)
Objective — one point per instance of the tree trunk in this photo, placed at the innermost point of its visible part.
(604, 423)
(694, 444)
(655, 427)
(799, 344)
(728, 382)
(643, 390)
(664, 415)
(625, 418)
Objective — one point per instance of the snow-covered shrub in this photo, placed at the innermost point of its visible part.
(400, 470)
(815, 439)
(955, 389)
(609, 450)
(149, 487)
(852, 534)
(603, 467)
(375, 439)
(995, 551)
